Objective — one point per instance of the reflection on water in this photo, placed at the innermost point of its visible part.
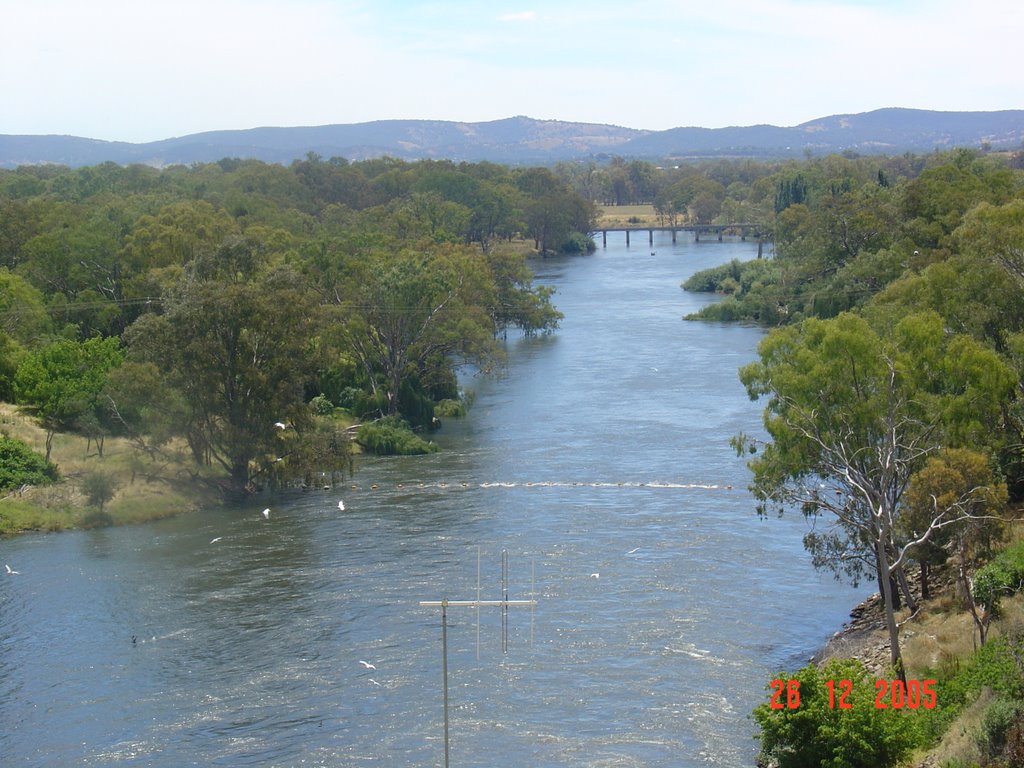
(599, 460)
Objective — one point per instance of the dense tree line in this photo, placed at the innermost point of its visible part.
(214, 303)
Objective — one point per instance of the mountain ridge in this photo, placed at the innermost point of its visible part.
(521, 140)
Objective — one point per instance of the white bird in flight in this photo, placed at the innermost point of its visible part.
(214, 541)
(11, 572)
(367, 664)
(266, 513)
(341, 506)
(595, 575)
(280, 425)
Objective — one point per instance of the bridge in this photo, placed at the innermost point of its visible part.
(744, 230)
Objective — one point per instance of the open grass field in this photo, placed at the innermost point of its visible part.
(143, 489)
(626, 215)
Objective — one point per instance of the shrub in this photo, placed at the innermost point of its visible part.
(99, 488)
(577, 242)
(450, 409)
(1003, 576)
(20, 465)
(321, 405)
(814, 733)
(999, 718)
(391, 436)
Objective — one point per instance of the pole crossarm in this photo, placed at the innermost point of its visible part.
(472, 603)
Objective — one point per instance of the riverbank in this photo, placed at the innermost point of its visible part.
(939, 638)
(143, 489)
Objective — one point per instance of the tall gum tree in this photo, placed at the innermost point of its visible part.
(234, 340)
(852, 415)
(404, 310)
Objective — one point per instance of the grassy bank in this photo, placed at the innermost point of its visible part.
(940, 642)
(626, 216)
(143, 489)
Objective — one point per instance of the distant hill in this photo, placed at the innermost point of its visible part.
(883, 131)
(522, 140)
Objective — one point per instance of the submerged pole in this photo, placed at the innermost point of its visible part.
(444, 671)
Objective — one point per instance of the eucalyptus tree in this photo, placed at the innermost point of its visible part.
(852, 415)
(235, 340)
(960, 482)
(411, 315)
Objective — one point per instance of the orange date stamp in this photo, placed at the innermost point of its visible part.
(890, 694)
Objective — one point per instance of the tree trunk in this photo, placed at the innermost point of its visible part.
(888, 594)
(925, 592)
(980, 619)
(240, 476)
(891, 581)
(908, 596)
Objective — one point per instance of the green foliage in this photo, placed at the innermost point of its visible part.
(11, 354)
(999, 665)
(1002, 577)
(516, 302)
(20, 465)
(817, 735)
(578, 243)
(99, 487)
(392, 436)
(308, 458)
(321, 405)
(1000, 716)
(233, 340)
(450, 409)
(411, 316)
(23, 314)
(752, 290)
(63, 380)
(956, 479)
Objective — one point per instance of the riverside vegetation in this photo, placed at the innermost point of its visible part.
(893, 386)
(234, 323)
(227, 323)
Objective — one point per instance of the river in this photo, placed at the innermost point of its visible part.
(598, 460)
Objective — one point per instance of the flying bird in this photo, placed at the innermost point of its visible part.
(280, 425)
(367, 664)
(595, 575)
(266, 513)
(341, 506)
(214, 541)
(11, 572)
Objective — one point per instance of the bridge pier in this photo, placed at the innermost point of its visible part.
(650, 237)
(604, 238)
(720, 235)
(627, 238)
(673, 237)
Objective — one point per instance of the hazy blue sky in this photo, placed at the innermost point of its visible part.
(138, 70)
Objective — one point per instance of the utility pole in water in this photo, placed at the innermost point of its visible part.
(502, 603)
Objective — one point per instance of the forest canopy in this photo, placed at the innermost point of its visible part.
(226, 304)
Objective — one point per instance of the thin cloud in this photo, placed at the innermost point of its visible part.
(519, 17)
